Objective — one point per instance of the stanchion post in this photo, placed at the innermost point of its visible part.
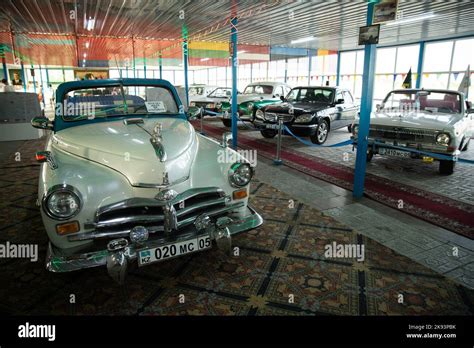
(202, 117)
(278, 160)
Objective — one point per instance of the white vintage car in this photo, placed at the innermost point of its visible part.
(423, 124)
(255, 96)
(212, 101)
(126, 177)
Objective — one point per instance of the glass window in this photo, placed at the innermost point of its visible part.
(348, 97)
(385, 62)
(258, 89)
(311, 95)
(437, 56)
(427, 101)
(110, 101)
(360, 63)
(463, 55)
(407, 58)
(347, 63)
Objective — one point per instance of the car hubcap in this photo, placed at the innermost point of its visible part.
(322, 132)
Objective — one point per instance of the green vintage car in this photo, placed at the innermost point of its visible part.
(255, 96)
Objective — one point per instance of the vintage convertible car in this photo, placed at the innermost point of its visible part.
(408, 121)
(309, 111)
(211, 101)
(126, 177)
(256, 95)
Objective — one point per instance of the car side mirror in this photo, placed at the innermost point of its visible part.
(193, 112)
(41, 122)
(282, 98)
(377, 107)
(340, 101)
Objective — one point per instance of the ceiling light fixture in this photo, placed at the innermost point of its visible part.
(304, 39)
(90, 24)
(241, 52)
(204, 59)
(413, 19)
(87, 44)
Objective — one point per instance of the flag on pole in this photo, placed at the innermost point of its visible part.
(407, 82)
(466, 82)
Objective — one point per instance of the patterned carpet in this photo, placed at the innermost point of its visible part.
(439, 210)
(284, 257)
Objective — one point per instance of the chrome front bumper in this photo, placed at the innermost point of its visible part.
(121, 251)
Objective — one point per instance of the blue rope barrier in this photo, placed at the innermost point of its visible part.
(343, 143)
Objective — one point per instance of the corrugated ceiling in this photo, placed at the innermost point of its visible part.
(334, 23)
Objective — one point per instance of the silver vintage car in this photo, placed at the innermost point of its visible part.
(125, 178)
(417, 123)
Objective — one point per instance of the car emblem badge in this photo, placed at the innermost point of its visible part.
(291, 111)
(166, 195)
(157, 142)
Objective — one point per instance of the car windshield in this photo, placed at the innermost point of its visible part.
(220, 93)
(196, 90)
(112, 101)
(311, 95)
(258, 89)
(428, 101)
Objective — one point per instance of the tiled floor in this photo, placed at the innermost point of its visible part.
(441, 250)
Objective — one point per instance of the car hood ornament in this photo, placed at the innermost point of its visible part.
(157, 142)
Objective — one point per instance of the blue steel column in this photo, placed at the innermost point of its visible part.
(233, 37)
(421, 57)
(185, 58)
(5, 71)
(23, 75)
(365, 110)
(338, 68)
(42, 86)
(160, 62)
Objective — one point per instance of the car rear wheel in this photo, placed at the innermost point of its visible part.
(446, 167)
(321, 134)
(370, 155)
(227, 122)
(268, 133)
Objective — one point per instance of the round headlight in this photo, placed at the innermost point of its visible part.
(62, 203)
(240, 174)
(192, 104)
(443, 139)
(259, 114)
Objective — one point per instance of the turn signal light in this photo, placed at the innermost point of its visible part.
(239, 194)
(41, 157)
(67, 228)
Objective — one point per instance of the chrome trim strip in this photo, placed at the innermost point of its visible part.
(151, 229)
(146, 185)
(151, 202)
(55, 262)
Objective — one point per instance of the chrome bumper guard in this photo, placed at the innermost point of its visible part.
(120, 251)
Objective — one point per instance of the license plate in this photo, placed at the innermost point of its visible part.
(392, 152)
(172, 250)
(271, 126)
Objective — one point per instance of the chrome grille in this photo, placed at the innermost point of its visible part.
(273, 117)
(117, 220)
(403, 134)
